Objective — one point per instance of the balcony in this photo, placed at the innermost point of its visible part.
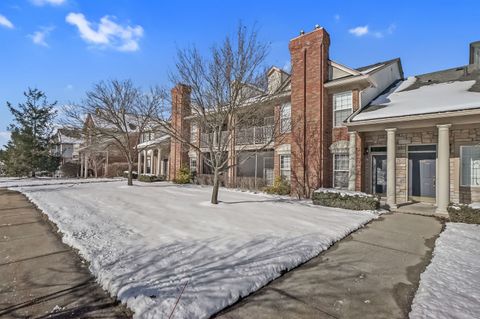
(258, 135)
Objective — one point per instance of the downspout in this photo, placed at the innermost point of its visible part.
(322, 159)
(304, 121)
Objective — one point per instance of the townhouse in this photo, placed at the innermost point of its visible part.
(363, 129)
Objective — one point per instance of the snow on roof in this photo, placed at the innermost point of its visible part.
(154, 141)
(402, 100)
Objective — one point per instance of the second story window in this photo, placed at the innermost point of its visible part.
(286, 118)
(342, 107)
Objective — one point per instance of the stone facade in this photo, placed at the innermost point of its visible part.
(459, 136)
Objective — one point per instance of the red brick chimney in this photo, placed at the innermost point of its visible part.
(180, 109)
(311, 119)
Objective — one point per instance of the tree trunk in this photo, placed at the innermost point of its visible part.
(130, 177)
(216, 185)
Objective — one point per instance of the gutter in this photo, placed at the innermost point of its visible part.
(412, 117)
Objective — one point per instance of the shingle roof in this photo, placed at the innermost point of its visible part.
(443, 91)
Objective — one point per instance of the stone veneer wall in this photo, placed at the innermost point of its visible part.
(458, 137)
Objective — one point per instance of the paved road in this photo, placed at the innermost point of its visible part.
(40, 277)
(373, 273)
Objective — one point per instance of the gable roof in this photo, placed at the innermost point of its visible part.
(443, 91)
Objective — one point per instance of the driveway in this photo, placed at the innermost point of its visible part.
(373, 273)
(40, 277)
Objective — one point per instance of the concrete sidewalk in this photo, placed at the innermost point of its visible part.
(373, 273)
(40, 277)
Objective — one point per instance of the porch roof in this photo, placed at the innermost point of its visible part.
(439, 92)
(154, 142)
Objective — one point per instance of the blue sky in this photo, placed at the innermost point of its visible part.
(64, 46)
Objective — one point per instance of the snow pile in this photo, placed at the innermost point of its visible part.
(45, 181)
(450, 286)
(147, 242)
(475, 205)
(343, 192)
(442, 97)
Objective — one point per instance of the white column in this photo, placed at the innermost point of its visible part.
(391, 168)
(81, 165)
(443, 168)
(159, 162)
(145, 162)
(139, 163)
(86, 166)
(352, 156)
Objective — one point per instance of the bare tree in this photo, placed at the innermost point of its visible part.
(122, 113)
(227, 94)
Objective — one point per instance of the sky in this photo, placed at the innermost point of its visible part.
(63, 47)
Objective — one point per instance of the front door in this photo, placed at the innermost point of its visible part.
(379, 173)
(422, 173)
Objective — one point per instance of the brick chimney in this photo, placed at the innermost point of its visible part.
(180, 109)
(311, 118)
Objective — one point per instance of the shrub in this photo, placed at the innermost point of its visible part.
(463, 213)
(184, 176)
(279, 187)
(149, 178)
(69, 169)
(117, 169)
(134, 174)
(345, 199)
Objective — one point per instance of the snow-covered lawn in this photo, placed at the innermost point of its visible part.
(147, 242)
(450, 286)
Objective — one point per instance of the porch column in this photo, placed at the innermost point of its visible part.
(139, 163)
(145, 162)
(391, 168)
(159, 162)
(352, 156)
(86, 166)
(443, 173)
(81, 165)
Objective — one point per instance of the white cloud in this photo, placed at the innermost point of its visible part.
(364, 30)
(359, 31)
(50, 2)
(107, 33)
(4, 22)
(38, 37)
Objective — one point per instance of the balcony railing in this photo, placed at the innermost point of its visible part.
(259, 135)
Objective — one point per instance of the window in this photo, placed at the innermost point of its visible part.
(285, 167)
(340, 170)
(342, 107)
(470, 159)
(286, 118)
(193, 164)
(147, 136)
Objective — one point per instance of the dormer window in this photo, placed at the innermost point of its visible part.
(342, 107)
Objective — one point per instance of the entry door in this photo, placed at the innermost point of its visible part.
(427, 178)
(379, 173)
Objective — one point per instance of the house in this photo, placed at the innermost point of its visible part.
(421, 138)
(100, 154)
(363, 129)
(66, 143)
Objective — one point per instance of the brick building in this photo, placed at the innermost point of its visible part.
(364, 129)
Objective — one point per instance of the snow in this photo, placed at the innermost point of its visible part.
(146, 242)
(13, 182)
(450, 286)
(433, 98)
(343, 192)
(475, 205)
(154, 141)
